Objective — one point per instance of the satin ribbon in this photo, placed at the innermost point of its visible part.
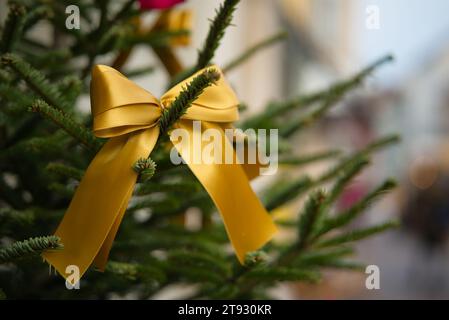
(128, 115)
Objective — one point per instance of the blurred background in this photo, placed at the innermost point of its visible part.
(330, 40)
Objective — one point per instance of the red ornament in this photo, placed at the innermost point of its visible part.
(158, 4)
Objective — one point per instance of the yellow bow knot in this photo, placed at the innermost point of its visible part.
(129, 116)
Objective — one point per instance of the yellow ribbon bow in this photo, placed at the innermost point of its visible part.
(129, 115)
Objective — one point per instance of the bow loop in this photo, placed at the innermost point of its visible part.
(117, 111)
(218, 103)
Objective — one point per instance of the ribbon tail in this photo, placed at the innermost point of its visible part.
(97, 208)
(102, 256)
(247, 223)
(252, 169)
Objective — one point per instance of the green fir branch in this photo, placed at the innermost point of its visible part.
(17, 101)
(250, 52)
(62, 189)
(278, 108)
(308, 219)
(36, 81)
(349, 161)
(29, 248)
(346, 177)
(10, 217)
(185, 99)
(222, 20)
(199, 260)
(137, 272)
(175, 186)
(356, 235)
(283, 274)
(154, 39)
(169, 238)
(125, 12)
(13, 28)
(70, 88)
(331, 97)
(321, 257)
(278, 195)
(345, 265)
(64, 171)
(49, 146)
(36, 15)
(65, 122)
(140, 71)
(311, 158)
(349, 215)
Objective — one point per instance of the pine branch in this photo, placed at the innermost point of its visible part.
(255, 49)
(194, 274)
(277, 196)
(139, 71)
(35, 15)
(331, 97)
(36, 81)
(169, 238)
(356, 235)
(126, 11)
(185, 99)
(309, 217)
(380, 144)
(29, 248)
(10, 217)
(63, 190)
(352, 171)
(18, 102)
(155, 39)
(137, 272)
(222, 20)
(77, 131)
(311, 158)
(200, 261)
(70, 88)
(344, 264)
(178, 187)
(283, 274)
(14, 222)
(64, 171)
(49, 146)
(276, 109)
(13, 27)
(346, 217)
(350, 160)
(321, 257)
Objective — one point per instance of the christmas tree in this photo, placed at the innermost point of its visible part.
(46, 144)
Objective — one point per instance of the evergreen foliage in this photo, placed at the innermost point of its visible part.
(42, 160)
